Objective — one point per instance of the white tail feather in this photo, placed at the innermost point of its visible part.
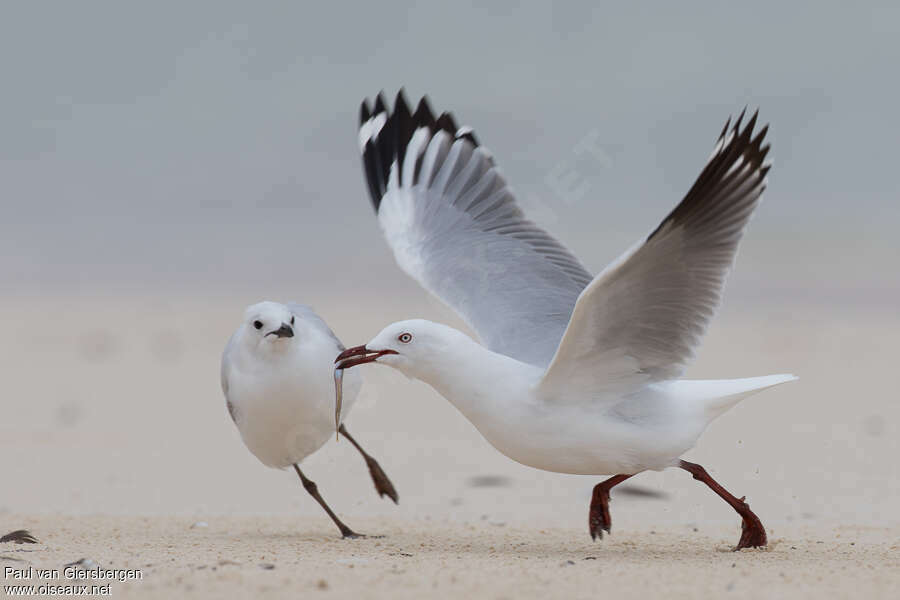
(718, 395)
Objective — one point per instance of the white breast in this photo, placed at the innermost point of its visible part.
(284, 409)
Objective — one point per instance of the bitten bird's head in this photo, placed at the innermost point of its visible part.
(268, 325)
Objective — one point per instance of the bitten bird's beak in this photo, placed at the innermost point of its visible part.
(285, 331)
(358, 355)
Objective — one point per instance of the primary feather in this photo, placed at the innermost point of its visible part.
(643, 317)
(454, 226)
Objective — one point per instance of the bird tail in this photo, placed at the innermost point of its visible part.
(716, 396)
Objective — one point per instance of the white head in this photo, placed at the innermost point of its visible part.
(268, 326)
(415, 347)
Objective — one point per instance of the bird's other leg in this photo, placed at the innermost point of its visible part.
(753, 534)
(383, 485)
(311, 487)
(598, 517)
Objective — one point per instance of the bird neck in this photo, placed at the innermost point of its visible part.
(481, 384)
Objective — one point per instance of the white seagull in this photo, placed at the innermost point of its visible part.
(576, 374)
(277, 379)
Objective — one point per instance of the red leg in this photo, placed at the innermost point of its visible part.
(753, 534)
(598, 517)
(383, 485)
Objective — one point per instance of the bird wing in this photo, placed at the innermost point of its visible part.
(642, 318)
(454, 226)
(307, 314)
(225, 369)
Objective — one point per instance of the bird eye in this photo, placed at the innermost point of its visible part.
(257, 324)
(405, 337)
(292, 319)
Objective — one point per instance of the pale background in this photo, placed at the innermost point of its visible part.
(163, 165)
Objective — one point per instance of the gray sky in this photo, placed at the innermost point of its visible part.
(184, 144)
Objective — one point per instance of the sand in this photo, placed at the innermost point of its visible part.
(302, 557)
(117, 449)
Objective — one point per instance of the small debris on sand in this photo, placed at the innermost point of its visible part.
(20, 536)
(82, 564)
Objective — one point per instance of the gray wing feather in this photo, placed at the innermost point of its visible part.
(309, 315)
(454, 226)
(642, 318)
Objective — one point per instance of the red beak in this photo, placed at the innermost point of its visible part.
(358, 355)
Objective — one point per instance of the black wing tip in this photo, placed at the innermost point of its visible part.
(388, 145)
(380, 104)
(467, 134)
(743, 140)
(423, 116)
(20, 536)
(400, 102)
(741, 144)
(423, 113)
(721, 135)
(737, 126)
(447, 123)
(365, 111)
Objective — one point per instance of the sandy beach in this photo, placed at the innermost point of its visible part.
(301, 557)
(165, 165)
(126, 457)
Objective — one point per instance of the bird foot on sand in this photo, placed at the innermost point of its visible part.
(352, 535)
(598, 518)
(753, 534)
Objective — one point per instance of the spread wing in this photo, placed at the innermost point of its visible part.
(454, 226)
(642, 318)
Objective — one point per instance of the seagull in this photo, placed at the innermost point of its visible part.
(277, 379)
(573, 373)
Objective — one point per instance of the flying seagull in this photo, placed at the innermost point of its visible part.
(574, 373)
(277, 379)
